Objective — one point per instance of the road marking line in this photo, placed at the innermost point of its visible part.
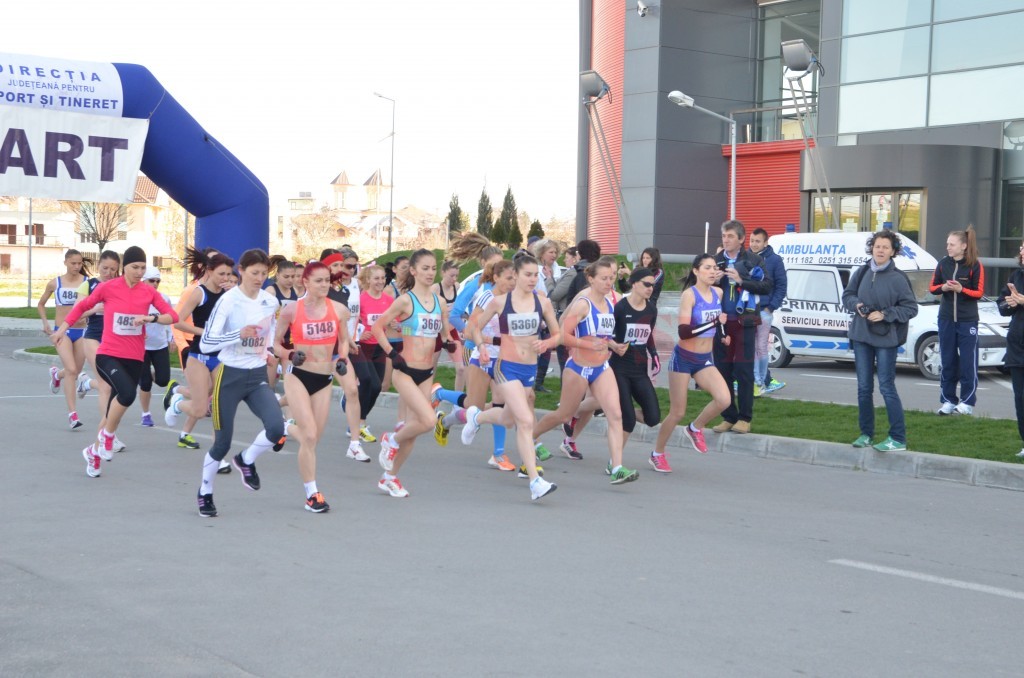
(828, 376)
(931, 579)
(55, 395)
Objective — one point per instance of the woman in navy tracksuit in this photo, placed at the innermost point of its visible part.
(960, 280)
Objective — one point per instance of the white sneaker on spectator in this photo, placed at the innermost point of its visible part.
(947, 408)
(964, 408)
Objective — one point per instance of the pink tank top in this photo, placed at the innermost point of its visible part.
(370, 309)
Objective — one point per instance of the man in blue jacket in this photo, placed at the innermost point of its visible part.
(776, 270)
(743, 281)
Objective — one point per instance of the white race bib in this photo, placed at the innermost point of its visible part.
(637, 333)
(254, 345)
(605, 324)
(318, 330)
(372, 318)
(430, 325)
(124, 325)
(523, 324)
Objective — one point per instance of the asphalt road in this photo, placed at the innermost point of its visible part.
(731, 566)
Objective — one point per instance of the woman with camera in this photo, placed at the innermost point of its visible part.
(882, 303)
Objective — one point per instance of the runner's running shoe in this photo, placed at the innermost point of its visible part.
(441, 431)
(73, 421)
(696, 439)
(541, 451)
(523, 474)
(118, 445)
(365, 435)
(171, 385)
(392, 487)
(316, 503)
(54, 381)
(355, 451)
(569, 427)
(224, 468)
(250, 478)
(206, 507)
(387, 452)
(624, 475)
(106, 443)
(82, 386)
(568, 448)
(659, 462)
(501, 463)
(471, 427)
(435, 401)
(147, 420)
(173, 410)
(92, 462)
(186, 440)
(540, 487)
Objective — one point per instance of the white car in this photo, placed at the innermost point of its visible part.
(813, 322)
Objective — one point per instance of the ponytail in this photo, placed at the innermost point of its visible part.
(969, 238)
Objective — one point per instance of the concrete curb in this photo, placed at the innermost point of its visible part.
(924, 465)
(17, 332)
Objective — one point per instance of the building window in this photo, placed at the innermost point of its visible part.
(5, 263)
(976, 96)
(867, 16)
(959, 9)
(895, 54)
(37, 231)
(10, 232)
(991, 41)
(892, 104)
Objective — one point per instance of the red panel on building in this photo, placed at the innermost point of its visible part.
(768, 182)
(607, 58)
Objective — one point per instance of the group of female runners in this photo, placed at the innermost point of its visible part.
(364, 333)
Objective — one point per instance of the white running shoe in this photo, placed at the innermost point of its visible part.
(82, 386)
(54, 381)
(387, 452)
(1021, 453)
(964, 409)
(540, 487)
(947, 408)
(471, 427)
(92, 462)
(355, 451)
(392, 487)
(173, 410)
(118, 445)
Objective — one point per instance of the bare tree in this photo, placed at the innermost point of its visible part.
(99, 222)
(314, 232)
(174, 219)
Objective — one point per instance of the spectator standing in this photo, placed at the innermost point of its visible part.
(776, 270)
(882, 302)
(1011, 303)
(959, 280)
(545, 252)
(742, 279)
(650, 259)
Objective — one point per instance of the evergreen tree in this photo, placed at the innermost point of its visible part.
(535, 230)
(484, 219)
(509, 218)
(499, 233)
(454, 218)
(514, 238)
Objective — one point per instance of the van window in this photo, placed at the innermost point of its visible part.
(812, 286)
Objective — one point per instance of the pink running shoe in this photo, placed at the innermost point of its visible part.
(54, 381)
(107, 440)
(696, 439)
(659, 462)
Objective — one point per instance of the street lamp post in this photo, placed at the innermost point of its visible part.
(391, 192)
(680, 99)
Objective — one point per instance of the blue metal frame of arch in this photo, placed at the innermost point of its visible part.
(231, 205)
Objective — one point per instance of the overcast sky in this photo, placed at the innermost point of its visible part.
(485, 90)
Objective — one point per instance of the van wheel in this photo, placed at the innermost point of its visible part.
(778, 354)
(929, 361)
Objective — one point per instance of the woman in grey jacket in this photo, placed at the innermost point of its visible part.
(882, 303)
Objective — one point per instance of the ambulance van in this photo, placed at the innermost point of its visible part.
(813, 322)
